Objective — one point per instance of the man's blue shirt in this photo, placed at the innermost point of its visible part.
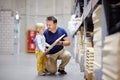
(51, 37)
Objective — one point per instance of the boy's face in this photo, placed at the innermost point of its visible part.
(41, 31)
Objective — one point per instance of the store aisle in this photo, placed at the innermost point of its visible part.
(23, 67)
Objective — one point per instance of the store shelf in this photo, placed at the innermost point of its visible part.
(102, 12)
(87, 11)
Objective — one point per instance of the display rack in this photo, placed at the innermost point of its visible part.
(95, 69)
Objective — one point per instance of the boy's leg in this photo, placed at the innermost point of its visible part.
(44, 60)
(39, 61)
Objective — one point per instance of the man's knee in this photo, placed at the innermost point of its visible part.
(67, 54)
(51, 67)
(51, 64)
(52, 70)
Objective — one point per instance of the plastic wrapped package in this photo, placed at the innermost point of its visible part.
(97, 40)
(89, 60)
(78, 46)
(111, 57)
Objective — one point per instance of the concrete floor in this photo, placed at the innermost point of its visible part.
(23, 67)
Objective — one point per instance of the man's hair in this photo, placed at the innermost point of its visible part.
(52, 18)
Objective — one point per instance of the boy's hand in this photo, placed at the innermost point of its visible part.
(43, 54)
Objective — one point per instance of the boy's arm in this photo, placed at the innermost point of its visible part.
(48, 45)
(39, 44)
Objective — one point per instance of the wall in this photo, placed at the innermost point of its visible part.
(32, 11)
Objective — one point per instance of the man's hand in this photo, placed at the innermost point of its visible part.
(60, 43)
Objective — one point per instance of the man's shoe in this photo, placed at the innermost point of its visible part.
(62, 71)
(46, 70)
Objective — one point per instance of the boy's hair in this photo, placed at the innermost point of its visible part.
(39, 26)
(51, 18)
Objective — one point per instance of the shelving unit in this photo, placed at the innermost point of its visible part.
(111, 42)
(98, 16)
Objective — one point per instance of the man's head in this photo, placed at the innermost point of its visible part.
(51, 22)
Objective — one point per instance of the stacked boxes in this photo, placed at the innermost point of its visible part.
(97, 39)
(78, 46)
(6, 32)
(97, 34)
(89, 63)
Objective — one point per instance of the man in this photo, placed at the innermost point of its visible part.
(57, 52)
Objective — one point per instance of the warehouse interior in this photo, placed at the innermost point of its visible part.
(34, 11)
(93, 27)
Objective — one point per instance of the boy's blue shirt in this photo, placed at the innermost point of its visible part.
(40, 42)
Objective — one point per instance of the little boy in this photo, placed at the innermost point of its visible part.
(40, 48)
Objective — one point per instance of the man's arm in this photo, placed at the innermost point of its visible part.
(54, 43)
(66, 42)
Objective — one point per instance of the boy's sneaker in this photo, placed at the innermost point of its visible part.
(41, 73)
(62, 71)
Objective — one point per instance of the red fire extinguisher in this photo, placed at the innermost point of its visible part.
(30, 44)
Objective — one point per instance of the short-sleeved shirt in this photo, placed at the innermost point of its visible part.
(51, 37)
